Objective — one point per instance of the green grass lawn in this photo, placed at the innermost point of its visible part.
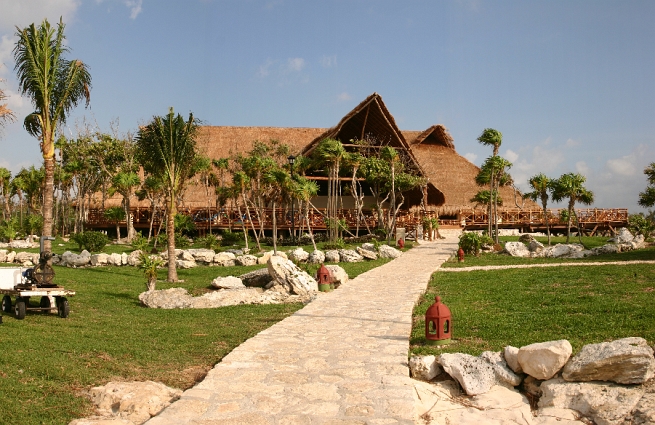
(47, 362)
(492, 309)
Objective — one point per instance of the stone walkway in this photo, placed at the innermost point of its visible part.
(342, 359)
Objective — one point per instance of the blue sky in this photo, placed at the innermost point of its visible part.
(568, 83)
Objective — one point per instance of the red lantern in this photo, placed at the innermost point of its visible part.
(460, 255)
(438, 323)
(324, 278)
(401, 243)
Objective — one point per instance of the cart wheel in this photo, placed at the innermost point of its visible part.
(63, 307)
(45, 303)
(20, 308)
(6, 304)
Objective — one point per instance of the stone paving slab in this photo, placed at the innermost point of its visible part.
(340, 360)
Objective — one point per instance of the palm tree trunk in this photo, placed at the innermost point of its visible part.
(170, 233)
(48, 195)
(568, 222)
(547, 223)
(274, 231)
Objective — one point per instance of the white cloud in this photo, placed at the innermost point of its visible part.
(135, 7)
(328, 61)
(24, 12)
(345, 96)
(6, 57)
(295, 64)
(570, 143)
(511, 156)
(582, 168)
(471, 157)
(265, 69)
(625, 166)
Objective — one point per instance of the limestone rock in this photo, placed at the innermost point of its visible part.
(134, 258)
(217, 299)
(20, 244)
(624, 361)
(532, 386)
(562, 250)
(502, 371)
(267, 255)
(622, 236)
(10, 256)
(246, 260)
(517, 249)
(204, 256)
(166, 298)
(298, 255)
(511, 357)
(369, 247)
(332, 256)
(606, 249)
(350, 256)
(225, 259)
(75, 260)
(605, 404)
(124, 258)
(289, 276)
(3, 255)
(256, 278)
(27, 259)
(101, 259)
(638, 242)
(185, 264)
(644, 411)
(228, 282)
(369, 255)
(476, 376)
(544, 359)
(387, 251)
(114, 259)
(339, 275)
(184, 255)
(101, 420)
(424, 367)
(526, 238)
(535, 246)
(316, 257)
(134, 401)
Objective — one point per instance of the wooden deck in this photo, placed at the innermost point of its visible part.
(592, 220)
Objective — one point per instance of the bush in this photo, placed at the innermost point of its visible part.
(90, 240)
(9, 229)
(231, 238)
(638, 224)
(184, 224)
(140, 243)
(471, 242)
(209, 241)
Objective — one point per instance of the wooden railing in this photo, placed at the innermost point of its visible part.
(231, 218)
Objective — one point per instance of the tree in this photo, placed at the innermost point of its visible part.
(115, 215)
(5, 190)
(55, 85)
(571, 186)
(647, 197)
(166, 149)
(494, 172)
(330, 152)
(126, 183)
(491, 137)
(541, 186)
(6, 114)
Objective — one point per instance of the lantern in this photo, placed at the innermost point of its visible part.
(324, 278)
(438, 324)
(401, 243)
(460, 255)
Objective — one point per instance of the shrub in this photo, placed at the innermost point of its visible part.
(140, 243)
(638, 224)
(149, 265)
(184, 224)
(471, 242)
(9, 229)
(181, 241)
(90, 240)
(231, 238)
(209, 241)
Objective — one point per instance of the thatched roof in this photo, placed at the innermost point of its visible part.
(451, 177)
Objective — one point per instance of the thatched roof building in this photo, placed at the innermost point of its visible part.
(430, 153)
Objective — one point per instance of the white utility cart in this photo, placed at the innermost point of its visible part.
(24, 283)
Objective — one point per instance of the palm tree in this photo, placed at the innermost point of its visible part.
(541, 185)
(6, 114)
(55, 85)
(494, 172)
(491, 137)
(304, 190)
(126, 183)
(571, 186)
(152, 189)
(115, 215)
(331, 152)
(5, 180)
(647, 197)
(166, 149)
